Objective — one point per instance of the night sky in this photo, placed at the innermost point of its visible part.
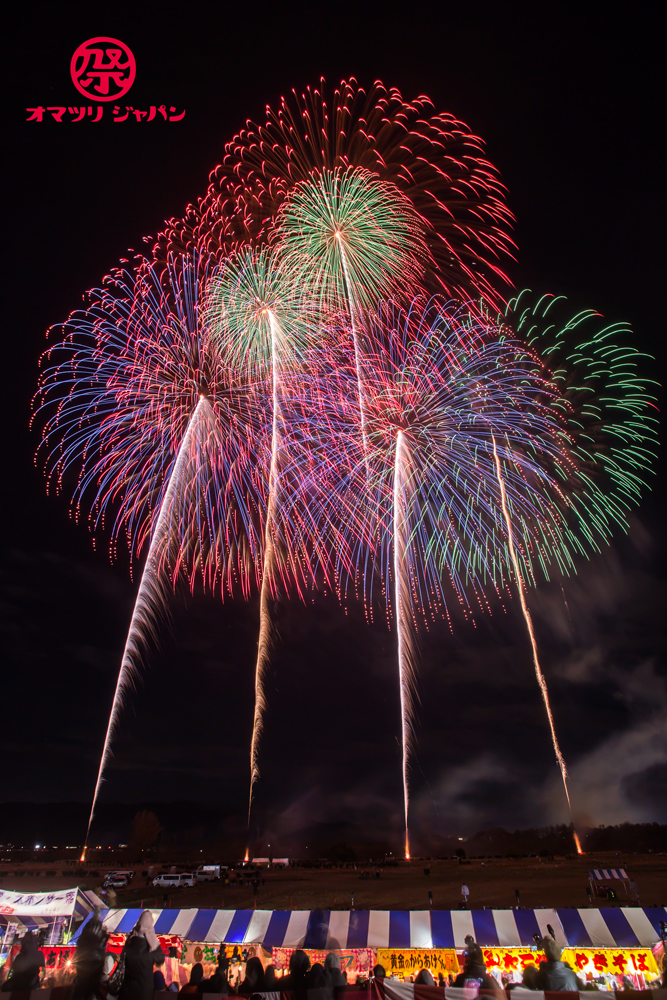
(571, 111)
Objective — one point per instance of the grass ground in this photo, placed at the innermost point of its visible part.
(492, 883)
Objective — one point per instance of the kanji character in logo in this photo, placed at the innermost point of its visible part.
(639, 962)
(57, 113)
(620, 962)
(113, 67)
(600, 961)
(580, 960)
(37, 114)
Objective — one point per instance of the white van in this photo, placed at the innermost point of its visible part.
(174, 881)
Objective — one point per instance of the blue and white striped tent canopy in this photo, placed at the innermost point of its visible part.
(601, 874)
(627, 927)
(23, 923)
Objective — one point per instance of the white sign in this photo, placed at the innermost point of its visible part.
(58, 903)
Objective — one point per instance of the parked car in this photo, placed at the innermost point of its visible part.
(126, 873)
(174, 881)
(116, 882)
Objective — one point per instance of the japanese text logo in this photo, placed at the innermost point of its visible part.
(103, 69)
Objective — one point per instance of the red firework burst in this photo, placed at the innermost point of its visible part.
(432, 158)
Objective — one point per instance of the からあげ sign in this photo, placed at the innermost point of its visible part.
(405, 961)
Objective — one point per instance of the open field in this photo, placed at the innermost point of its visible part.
(492, 883)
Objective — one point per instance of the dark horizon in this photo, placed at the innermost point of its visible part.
(188, 828)
(568, 110)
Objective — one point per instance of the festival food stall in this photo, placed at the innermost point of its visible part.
(52, 913)
(598, 878)
(604, 945)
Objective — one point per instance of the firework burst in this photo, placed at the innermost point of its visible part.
(432, 159)
(609, 407)
(240, 412)
(259, 314)
(423, 508)
(154, 433)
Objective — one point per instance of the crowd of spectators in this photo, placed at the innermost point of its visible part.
(138, 972)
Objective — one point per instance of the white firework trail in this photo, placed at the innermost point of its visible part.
(150, 597)
(529, 625)
(403, 626)
(264, 643)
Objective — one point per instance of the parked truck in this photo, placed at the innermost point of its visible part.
(206, 873)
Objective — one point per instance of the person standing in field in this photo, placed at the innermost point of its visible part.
(465, 892)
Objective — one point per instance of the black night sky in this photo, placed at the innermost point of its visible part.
(569, 104)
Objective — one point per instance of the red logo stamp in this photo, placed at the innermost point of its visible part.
(103, 69)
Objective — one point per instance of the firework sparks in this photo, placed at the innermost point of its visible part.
(529, 625)
(421, 508)
(247, 413)
(268, 577)
(431, 158)
(353, 239)
(261, 318)
(166, 441)
(402, 603)
(152, 592)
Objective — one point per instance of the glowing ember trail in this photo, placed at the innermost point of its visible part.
(577, 842)
(265, 628)
(149, 598)
(355, 337)
(529, 625)
(405, 658)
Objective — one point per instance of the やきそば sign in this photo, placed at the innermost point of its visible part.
(617, 961)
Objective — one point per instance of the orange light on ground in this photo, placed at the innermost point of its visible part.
(577, 842)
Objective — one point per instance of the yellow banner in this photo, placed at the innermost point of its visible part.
(405, 961)
(617, 961)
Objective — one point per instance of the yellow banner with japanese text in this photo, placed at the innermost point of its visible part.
(405, 961)
(617, 961)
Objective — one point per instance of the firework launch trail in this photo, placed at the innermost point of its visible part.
(529, 625)
(333, 224)
(402, 590)
(268, 575)
(150, 597)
